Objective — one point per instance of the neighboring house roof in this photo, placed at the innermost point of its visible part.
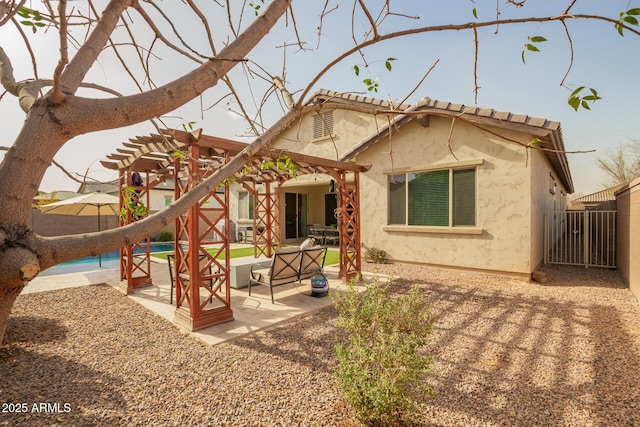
(99, 187)
(56, 195)
(112, 186)
(168, 184)
(606, 195)
(548, 132)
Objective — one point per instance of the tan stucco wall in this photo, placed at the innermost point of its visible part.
(349, 128)
(542, 201)
(512, 190)
(503, 183)
(628, 219)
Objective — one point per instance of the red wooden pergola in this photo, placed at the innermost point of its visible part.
(201, 234)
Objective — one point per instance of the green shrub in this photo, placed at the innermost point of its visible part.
(380, 368)
(164, 236)
(375, 255)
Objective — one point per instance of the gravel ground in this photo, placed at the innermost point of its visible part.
(507, 353)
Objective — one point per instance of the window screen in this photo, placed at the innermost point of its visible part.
(429, 198)
(464, 197)
(245, 205)
(397, 199)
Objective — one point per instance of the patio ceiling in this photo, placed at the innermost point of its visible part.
(155, 154)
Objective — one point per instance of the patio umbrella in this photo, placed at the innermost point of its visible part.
(91, 204)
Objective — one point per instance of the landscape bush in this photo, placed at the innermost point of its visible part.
(164, 236)
(375, 255)
(381, 362)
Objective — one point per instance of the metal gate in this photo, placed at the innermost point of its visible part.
(580, 238)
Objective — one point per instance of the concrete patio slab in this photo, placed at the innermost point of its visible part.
(251, 313)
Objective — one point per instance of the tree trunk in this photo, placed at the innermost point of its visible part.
(8, 297)
(49, 125)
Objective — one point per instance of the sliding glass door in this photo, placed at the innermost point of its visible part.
(295, 215)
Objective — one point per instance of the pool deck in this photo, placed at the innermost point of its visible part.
(251, 313)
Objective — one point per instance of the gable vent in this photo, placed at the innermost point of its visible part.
(323, 125)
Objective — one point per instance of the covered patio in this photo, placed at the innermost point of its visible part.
(203, 296)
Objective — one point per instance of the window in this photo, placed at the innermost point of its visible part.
(245, 205)
(441, 198)
(168, 200)
(323, 125)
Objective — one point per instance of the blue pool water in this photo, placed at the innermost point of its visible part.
(109, 260)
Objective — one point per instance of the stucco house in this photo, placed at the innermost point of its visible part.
(449, 185)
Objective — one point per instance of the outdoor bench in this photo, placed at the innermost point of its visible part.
(289, 266)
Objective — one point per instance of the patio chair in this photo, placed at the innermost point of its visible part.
(331, 237)
(312, 261)
(285, 268)
(317, 235)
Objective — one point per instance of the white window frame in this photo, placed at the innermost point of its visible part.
(245, 209)
(450, 229)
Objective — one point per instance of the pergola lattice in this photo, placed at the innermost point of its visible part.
(202, 277)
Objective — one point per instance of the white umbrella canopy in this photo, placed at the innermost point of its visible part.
(90, 204)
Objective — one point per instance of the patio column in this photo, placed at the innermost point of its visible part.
(135, 259)
(266, 218)
(203, 295)
(349, 224)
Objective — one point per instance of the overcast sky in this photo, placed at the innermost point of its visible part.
(602, 59)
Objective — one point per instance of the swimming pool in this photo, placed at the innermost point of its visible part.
(109, 260)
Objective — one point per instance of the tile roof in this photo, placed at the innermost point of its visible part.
(549, 132)
(606, 195)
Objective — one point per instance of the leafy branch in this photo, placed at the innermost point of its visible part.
(132, 205)
(628, 17)
(372, 84)
(531, 45)
(31, 18)
(256, 7)
(576, 101)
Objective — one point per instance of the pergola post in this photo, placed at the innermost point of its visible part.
(349, 225)
(135, 258)
(266, 218)
(203, 296)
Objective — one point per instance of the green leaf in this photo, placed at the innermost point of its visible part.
(388, 63)
(619, 28)
(475, 13)
(356, 69)
(577, 91)
(574, 102)
(523, 57)
(630, 20)
(635, 11)
(538, 39)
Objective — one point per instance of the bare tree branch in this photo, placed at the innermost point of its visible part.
(8, 11)
(58, 165)
(451, 27)
(56, 95)
(88, 53)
